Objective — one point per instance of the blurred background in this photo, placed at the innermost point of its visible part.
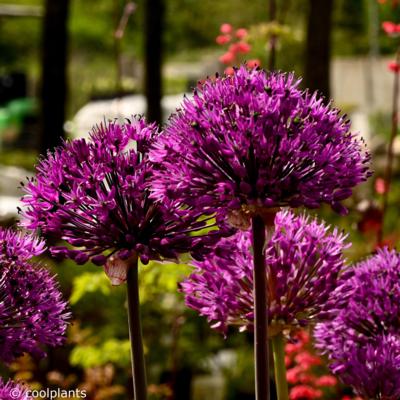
(66, 65)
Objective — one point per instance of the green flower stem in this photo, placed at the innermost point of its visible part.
(278, 350)
(260, 311)
(135, 333)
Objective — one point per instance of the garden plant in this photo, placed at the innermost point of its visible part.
(227, 186)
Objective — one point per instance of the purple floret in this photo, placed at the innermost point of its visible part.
(13, 391)
(32, 311)
(254, 140)
(362, 336)
(94, 195)
(303, 262)
(19, 245)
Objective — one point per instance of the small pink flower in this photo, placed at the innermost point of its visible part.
(241, 33)
(223, 39)
(288, 361)
(253, 63)
(394, 67)
(304, 392)
(292, 375)
(304, 337)
(389, 27)
(229, 71)
(243, 47)
(227, 58)
(305, 378)
(326, 380)
(226, 28)
(380, 186)
(307, 360)
(291, 348)
(234, 48)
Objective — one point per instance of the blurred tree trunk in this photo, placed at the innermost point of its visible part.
(154, 16)
(318, 46)
(54, 73)
(273, 38)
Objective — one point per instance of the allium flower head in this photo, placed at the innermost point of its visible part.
(303, 261)
(17, 245)
(32, 311)
(373, 370)
(13, 391)
(254, 139)
(94, 195)
(362, 335)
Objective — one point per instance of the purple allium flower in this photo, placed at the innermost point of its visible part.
(303, 261)
(17, 245)
(13, 391)
(255, 140)
(362, 336)
(32, 311)
(94, 195)
(373, 370)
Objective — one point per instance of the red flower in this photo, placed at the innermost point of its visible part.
(229, 71)
(234, 48)
(241, 33)
(391, 28)
(253, 63)
(394, 67)
(226, 28)
(307, 360)
(227, 58)
(306, 378)
(292, 374)
(326, 380)
(304, 337)
(243, 47)
(223, 39)
(380, 186)
(291, 348)
(304, 392)
(288, 361)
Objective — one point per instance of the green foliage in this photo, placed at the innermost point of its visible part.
(20, 41)
(159, 279)
(351, 27)
(239, 376)
(23, 158)
(111, 351)
(89, 282)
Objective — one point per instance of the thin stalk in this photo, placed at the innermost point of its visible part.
(390, 153)
(278, 350)
(261, 355)
(135, 333)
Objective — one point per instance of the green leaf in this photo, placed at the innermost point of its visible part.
(89, 282)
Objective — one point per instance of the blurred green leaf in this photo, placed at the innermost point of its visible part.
(112, 350)
(89, 282)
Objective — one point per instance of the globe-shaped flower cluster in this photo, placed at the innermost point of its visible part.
(254, 140)
(94, 195)
(362, 335)
(32, 311)
(303, 262)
